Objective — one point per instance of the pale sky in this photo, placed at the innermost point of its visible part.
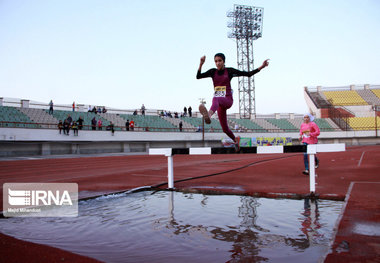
(124, 53)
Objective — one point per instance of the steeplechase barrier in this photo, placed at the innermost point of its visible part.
(311, 150)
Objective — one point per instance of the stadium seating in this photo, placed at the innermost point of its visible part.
(319, 99)
(344, 97)
(376, 92)
(86, 116)
(149, 122)
(118, 122)
(363, 123)
(175, 121)
(197, 122)
(248, 124)
(283, 124)
(370, 96)
(40, 116)
(262, 122)
(324, 125)
(12, 117)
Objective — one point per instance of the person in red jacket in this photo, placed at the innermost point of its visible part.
(309, 133)
(132, 125)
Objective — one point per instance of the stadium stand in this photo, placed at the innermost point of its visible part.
(319, 99)
(363, 123)
(149, 123)
(262, 122)
(283, 124)
(197, 122)
(118, 121)
(248, 124)
(87, 117)
(175, 121)
(376, 92)
(344, 97)
(40, 116)
(368, 96)
(12, 117)
(324, 125)
(352, 109)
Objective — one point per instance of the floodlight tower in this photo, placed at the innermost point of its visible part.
(246, 26)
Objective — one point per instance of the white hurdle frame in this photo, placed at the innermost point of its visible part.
(312, 150)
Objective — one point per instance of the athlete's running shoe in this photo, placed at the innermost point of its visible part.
(204, 112)
(306, 172)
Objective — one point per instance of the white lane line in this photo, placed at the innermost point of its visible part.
(361, 159)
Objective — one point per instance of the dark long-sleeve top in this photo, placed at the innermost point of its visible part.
(232, 72)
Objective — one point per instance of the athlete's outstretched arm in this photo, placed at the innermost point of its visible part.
(203, 59)
(265, 64)
(206, 74)
(238, 73)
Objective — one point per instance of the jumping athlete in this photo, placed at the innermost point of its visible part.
(223, 100)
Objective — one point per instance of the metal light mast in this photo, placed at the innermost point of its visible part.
(246, 26)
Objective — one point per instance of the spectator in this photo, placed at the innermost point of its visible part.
(94, 110)
(51, 104)
(93, 123)
(80, 123)
(132, 125)
(184, 111)
(74, 126)
(99, 110)
(111, 128)
(180, 126)
(189, 110)
(127, 125)
(74, 106)
(66, 127)
(309, 133)
(89, 108)
(69, 119)
(104, 110)
(135, 112)
(176, 115)
(60, 126)
(100, 124)
(143, 110)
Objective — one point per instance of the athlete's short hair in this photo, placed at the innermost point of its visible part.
(221, 55)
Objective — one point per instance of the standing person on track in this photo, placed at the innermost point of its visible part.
(309, 132)
(223, 100)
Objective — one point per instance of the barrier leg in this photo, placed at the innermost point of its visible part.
(312, 172)
(170, 173)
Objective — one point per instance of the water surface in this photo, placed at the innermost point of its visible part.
(181, 227)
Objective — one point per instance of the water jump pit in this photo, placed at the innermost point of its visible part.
(169, 226)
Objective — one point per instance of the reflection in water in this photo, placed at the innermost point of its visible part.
(310, 225)
(177, 227)
(248, 237)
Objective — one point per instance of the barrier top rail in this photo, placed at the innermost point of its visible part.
(255, 150)
(310, 149)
